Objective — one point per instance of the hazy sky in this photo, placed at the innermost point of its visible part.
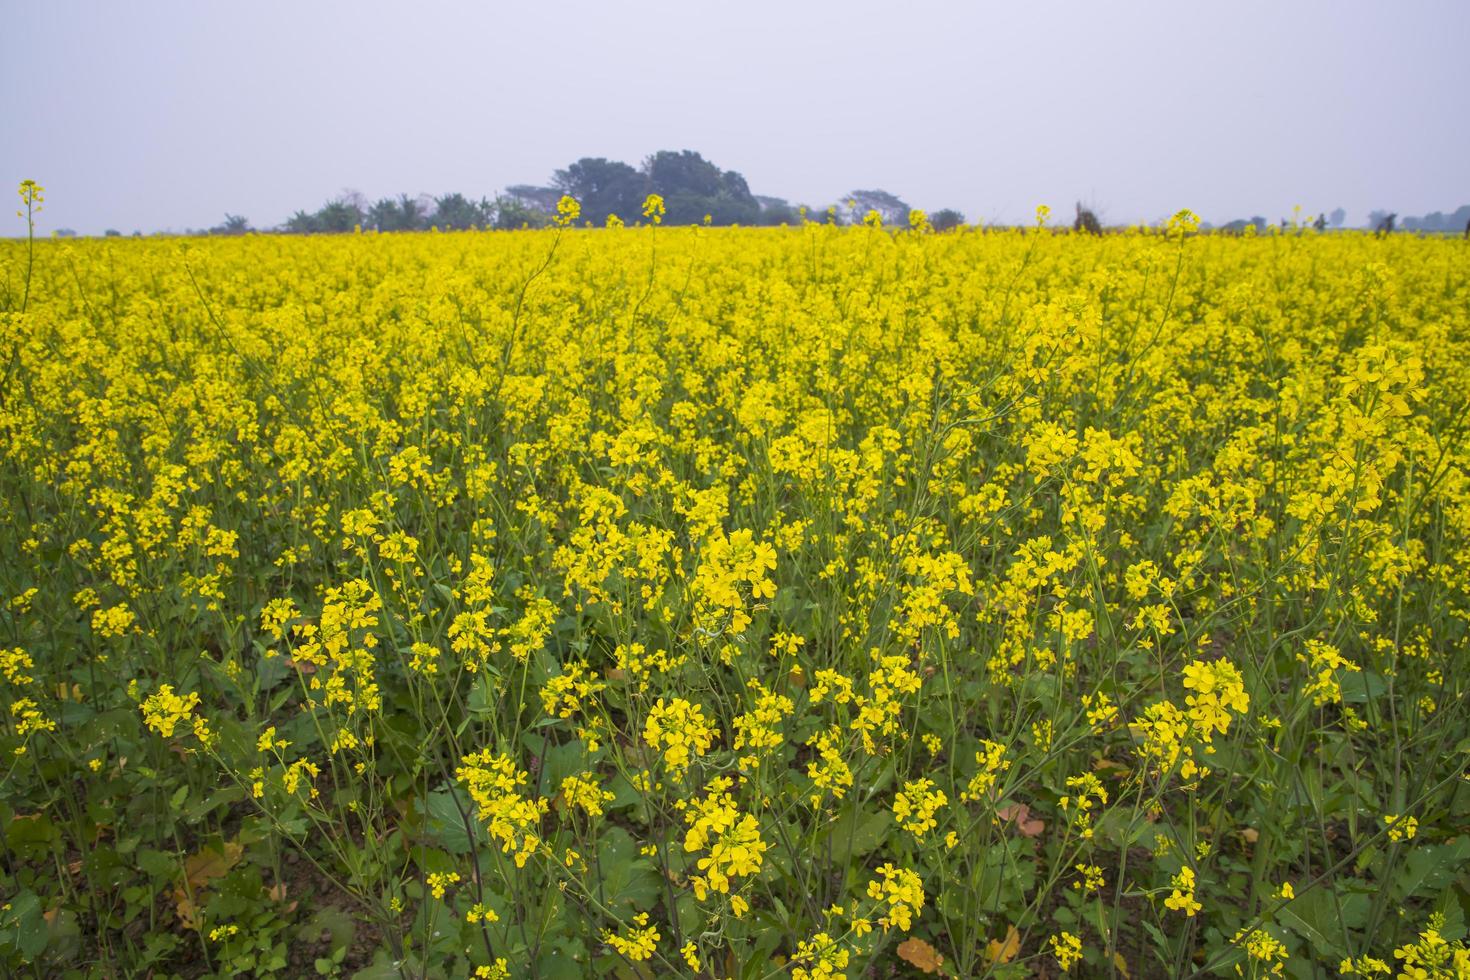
(154, 115)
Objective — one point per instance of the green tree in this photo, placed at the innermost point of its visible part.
(340, 215)
(534, 197)
(404, 214)
(946, 218)
(455, 212)
(234, 224)
(693, 187)
(893, 209)
(513, 212)
(302, 223)
(776, 211)
(603, 187)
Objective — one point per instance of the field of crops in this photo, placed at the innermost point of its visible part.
(805, 602)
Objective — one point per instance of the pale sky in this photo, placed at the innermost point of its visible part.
(155, 115)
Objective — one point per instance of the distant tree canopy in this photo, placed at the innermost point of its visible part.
(1239, 225)
(234, 224)
(1382, 222)
(401, 214)
(1456, 221)
(525, 206)
(451, 212)
(946, 218)
(890, 207)
(338, 215)
(455, 212)
(777, 211)
(695, 190)
(603, 187)
(534, 197)
(1086, 221)
(512, 213)
(692, 187)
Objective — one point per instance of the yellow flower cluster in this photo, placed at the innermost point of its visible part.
(1432, 956)
(681, 730)
(915, 805)
(163, 710)
(14, 663)
(1265, 950)
(1219, 691)
(637, 943)
(511, 817)
(440, 881)
(583, 791)
(1067, 949)
(819, 958)
(732, 839)
(899, 894)
(1181, 898)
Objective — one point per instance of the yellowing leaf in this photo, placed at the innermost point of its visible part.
(1026, 826)
(202, 868)
(199, 870)
(999, 951)
(916, 951)
(187, 910)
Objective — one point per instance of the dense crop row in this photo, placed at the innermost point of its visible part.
(735, 603)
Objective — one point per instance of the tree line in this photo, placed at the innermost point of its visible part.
(694, 190)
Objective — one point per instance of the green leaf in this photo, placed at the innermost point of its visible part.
(157, 864)
(1430, 867)
(337, 924)
(691, 919)
(628, 881)
(765, 943)
(567, 959)
(445, 825)
(624, 795)
(1360, 686)
(561, 762)
(862, 832)
(222, 797)
(1005, 879)
(271, 671)
(482, 697)
(1302, 917)
(1449, 906)
(23, 926)
(383, 968)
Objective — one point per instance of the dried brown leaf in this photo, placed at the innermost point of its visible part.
(212, 862)
(1003, 951)
(1020, 813)
(916, 951)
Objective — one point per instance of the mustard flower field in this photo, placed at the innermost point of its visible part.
(807, 602)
